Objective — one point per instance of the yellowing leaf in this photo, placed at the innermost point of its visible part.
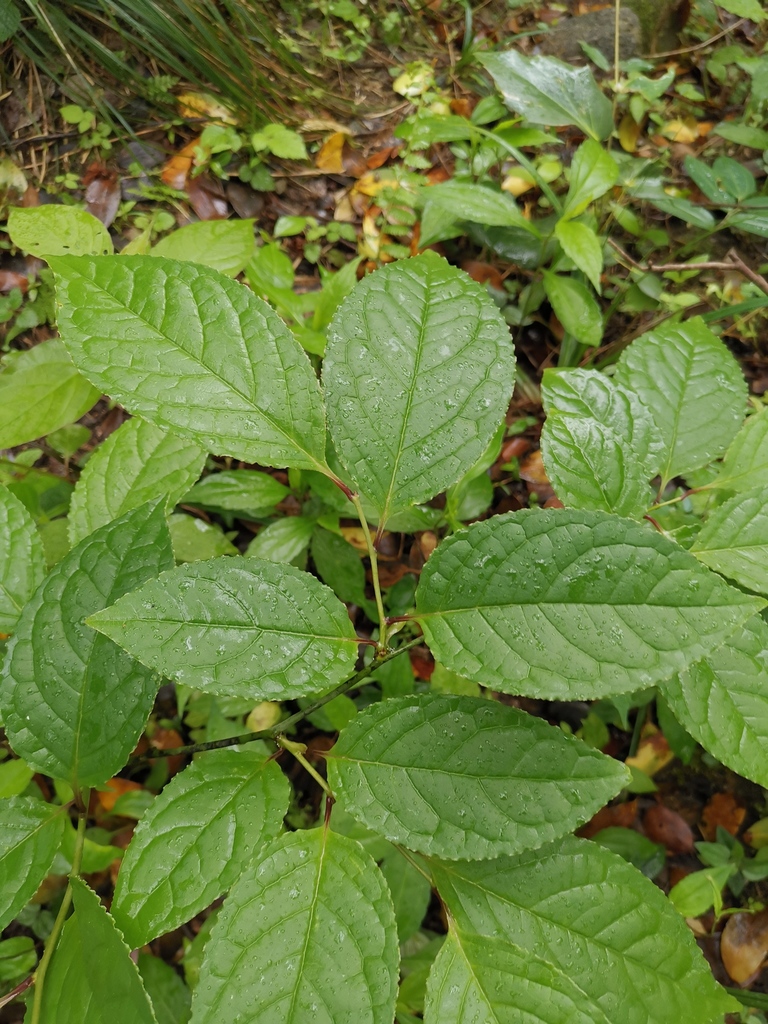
(681, 130)
(329, 158)
(518, 181)
(202, 104)
(653, 753)
(629, 132)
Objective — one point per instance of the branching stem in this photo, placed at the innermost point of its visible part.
(374, 571)
(299, 750)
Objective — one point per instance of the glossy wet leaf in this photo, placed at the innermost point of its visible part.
(195, 352)
(465, 201)
(223, 245)
(54, 230)
(466, 777)
(474, 980)
(546, 91)
(569, 604)
(692, 386)
(238, 490)
(40, 391)
(60, 675)
(196, 839)
(745, 465)
(696, 893)
(575, 307)
(306, 934)
(734, 540)
(30, 834)
(722, 700)
(418, 374)
(574, 903)
(170, 997)
(582, 246)
(246, 627)
(593, 173)
(139, 462)
(91, 972)
(22, 563)
(285, 540)
(194, 540)
(410, 889)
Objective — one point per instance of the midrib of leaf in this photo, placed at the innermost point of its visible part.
(310, 923)
(458, 945)
(247, 627)
(618, 608)
(688, 356)
(10, 596)
(321, 466)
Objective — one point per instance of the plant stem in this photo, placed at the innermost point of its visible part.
(58, 924)
(299, 750)
(274, 730)
(523, 160)
(374, 572)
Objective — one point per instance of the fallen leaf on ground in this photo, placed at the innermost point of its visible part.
(175, 171)
(668, 828)
(744, 945)
(723, 810)
(617, 816)
(653, 753)
(329, 156)
(114, 790)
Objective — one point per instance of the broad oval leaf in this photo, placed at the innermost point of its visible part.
(196, 839)
(722, 700)
(238, 490)
(194, 540)
(195, 352)
(575, 307)
(22, 563)
(74, 704)
(284, 540)
(474, 980)
(466, 201)
(593, 172)
(418, 374)
(574, 903)
(410, 889)
(171, 999)
(306, 934)
(223, 245)
(40, 391)
(246, 627)
(466, 777)
(137, 463)
(745, 465)
(582, 246)
(92, 976)
(692, 386)
(569, 604)
(547, 91)
(30, 835)
(734, 540)
(54, 230)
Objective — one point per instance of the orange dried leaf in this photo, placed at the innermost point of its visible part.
(114, 790)
(174, 173)
(532, 470)
(617, 816)
(329, 157)
(722, 810)
(653, 754)
(744, 945)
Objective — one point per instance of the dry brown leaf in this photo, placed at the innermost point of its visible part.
(114, 790)
(617, 816)
(102, 193)
(175, 171)
(202, 104)
(744, 946)
(532, 470)
(653, 753)
(723, 810)
(206, 198)
(483, 273)
(664, 826)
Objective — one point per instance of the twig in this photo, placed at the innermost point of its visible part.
(700, 46)
(734, 262)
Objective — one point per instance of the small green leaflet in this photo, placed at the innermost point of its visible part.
(574, 903)
(223, 245)
(582, 246)
(171, 999)
(194, 540)
(466, 777)
(195, 352)
(722, 700)
(745, 465)
(599, 443)
(246, 627)
(91, 972)
(306, 934)
(695, 893)
(40, 391)
(693, 387)
(196, 839)
(465, 201)
(238, 490)
(474, 980)
(137, 463)
(285, 540)
(410, 889)
(418, 375)
(53, 230)
(593, 173)
(30, 835)
(22, 564)
(60, 675)
(575, 307)
(734, 540)
(568, 604)
(546, 91)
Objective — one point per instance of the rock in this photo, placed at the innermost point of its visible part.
(596, 29)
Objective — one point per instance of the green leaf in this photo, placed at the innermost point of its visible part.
(281, 141)
(53, 230)
(196, 839)
(223, 245)
(693, 387)
(593, 173)
(245, 627)
(751, 9)
(696, 893)
(238, 490)
(581, 245)
(736, 178)
(473, 980)
(30, 834)
(10, 20)
(546, 91)
(171, 999)
(15, 776)
(465, 201)
(410, 890)
(195, 540)
(338, 565)
(742, 134)
(418, 374)
(567, 604)
(91, 972)
(139, 462)
(60, 677)
(195, 352)
(466, 777)
(734, 540)
(40, 390)
(574, 903)
(745, 465)
(282, 541)
(722, 700)
(575, 307)
(705, 179)
(22, 564)
(307, 934)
